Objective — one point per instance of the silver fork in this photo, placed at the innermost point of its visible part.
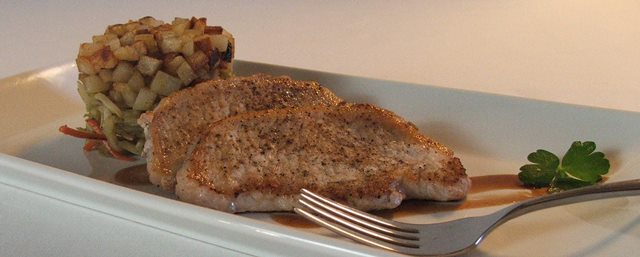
(447, 238)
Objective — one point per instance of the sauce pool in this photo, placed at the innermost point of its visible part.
(133, 176)
(486, 191)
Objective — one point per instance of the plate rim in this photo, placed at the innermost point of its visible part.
(331, 244)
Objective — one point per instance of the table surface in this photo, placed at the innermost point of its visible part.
(577, 52)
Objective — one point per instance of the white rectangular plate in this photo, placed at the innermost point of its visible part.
(491, 134)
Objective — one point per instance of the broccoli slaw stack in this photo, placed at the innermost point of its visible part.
(128, 69)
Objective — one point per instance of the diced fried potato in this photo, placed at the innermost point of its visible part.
(144, 100)
(85, 66)
(188, 47)
(118, 29)
(131, 66)
(142, 29)
(178, 20)
(148, 65)
(111, 36)
(203, 43)
(180, 25)
(103, 38)
(163, 30)
(149, 42)
(127, 38)
(103, 59)
(98, 39)
(106, 75)
(150, 21)
(165, 84)
(186, 74)
(191, 33)
(116, 97)
(198, 60)
(220, 42)
(123, 72)
(136, 82)
(128, 96)
(127, 53)
(94, 84)
(140, 48)
(88, 49)
(213, 30)
(133, 25)
(170, 45)
(173, 64)
(199, 24)
(114, 44)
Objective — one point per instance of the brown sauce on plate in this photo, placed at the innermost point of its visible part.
(292, 220)
(486, 191)
(133, 176)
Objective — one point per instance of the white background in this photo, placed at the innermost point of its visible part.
(583, 52)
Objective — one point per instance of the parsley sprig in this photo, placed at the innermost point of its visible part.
(580, 166)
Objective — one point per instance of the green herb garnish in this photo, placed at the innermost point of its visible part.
(580, 166)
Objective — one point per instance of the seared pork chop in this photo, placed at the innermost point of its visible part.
(179, 119)
(359, 154)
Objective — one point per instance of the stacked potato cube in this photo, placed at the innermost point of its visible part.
(129, 68)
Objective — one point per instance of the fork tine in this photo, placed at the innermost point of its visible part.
(377, 220)
(340, 230)
(372, 226)
(354, 228)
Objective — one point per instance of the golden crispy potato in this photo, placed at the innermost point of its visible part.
(130, 67)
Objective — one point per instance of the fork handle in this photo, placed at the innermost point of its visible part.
(589, 193)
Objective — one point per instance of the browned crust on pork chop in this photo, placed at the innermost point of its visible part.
(179, 119)
(359, 154)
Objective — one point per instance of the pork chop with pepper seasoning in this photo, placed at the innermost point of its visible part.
(180, 119)
(358, 154)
